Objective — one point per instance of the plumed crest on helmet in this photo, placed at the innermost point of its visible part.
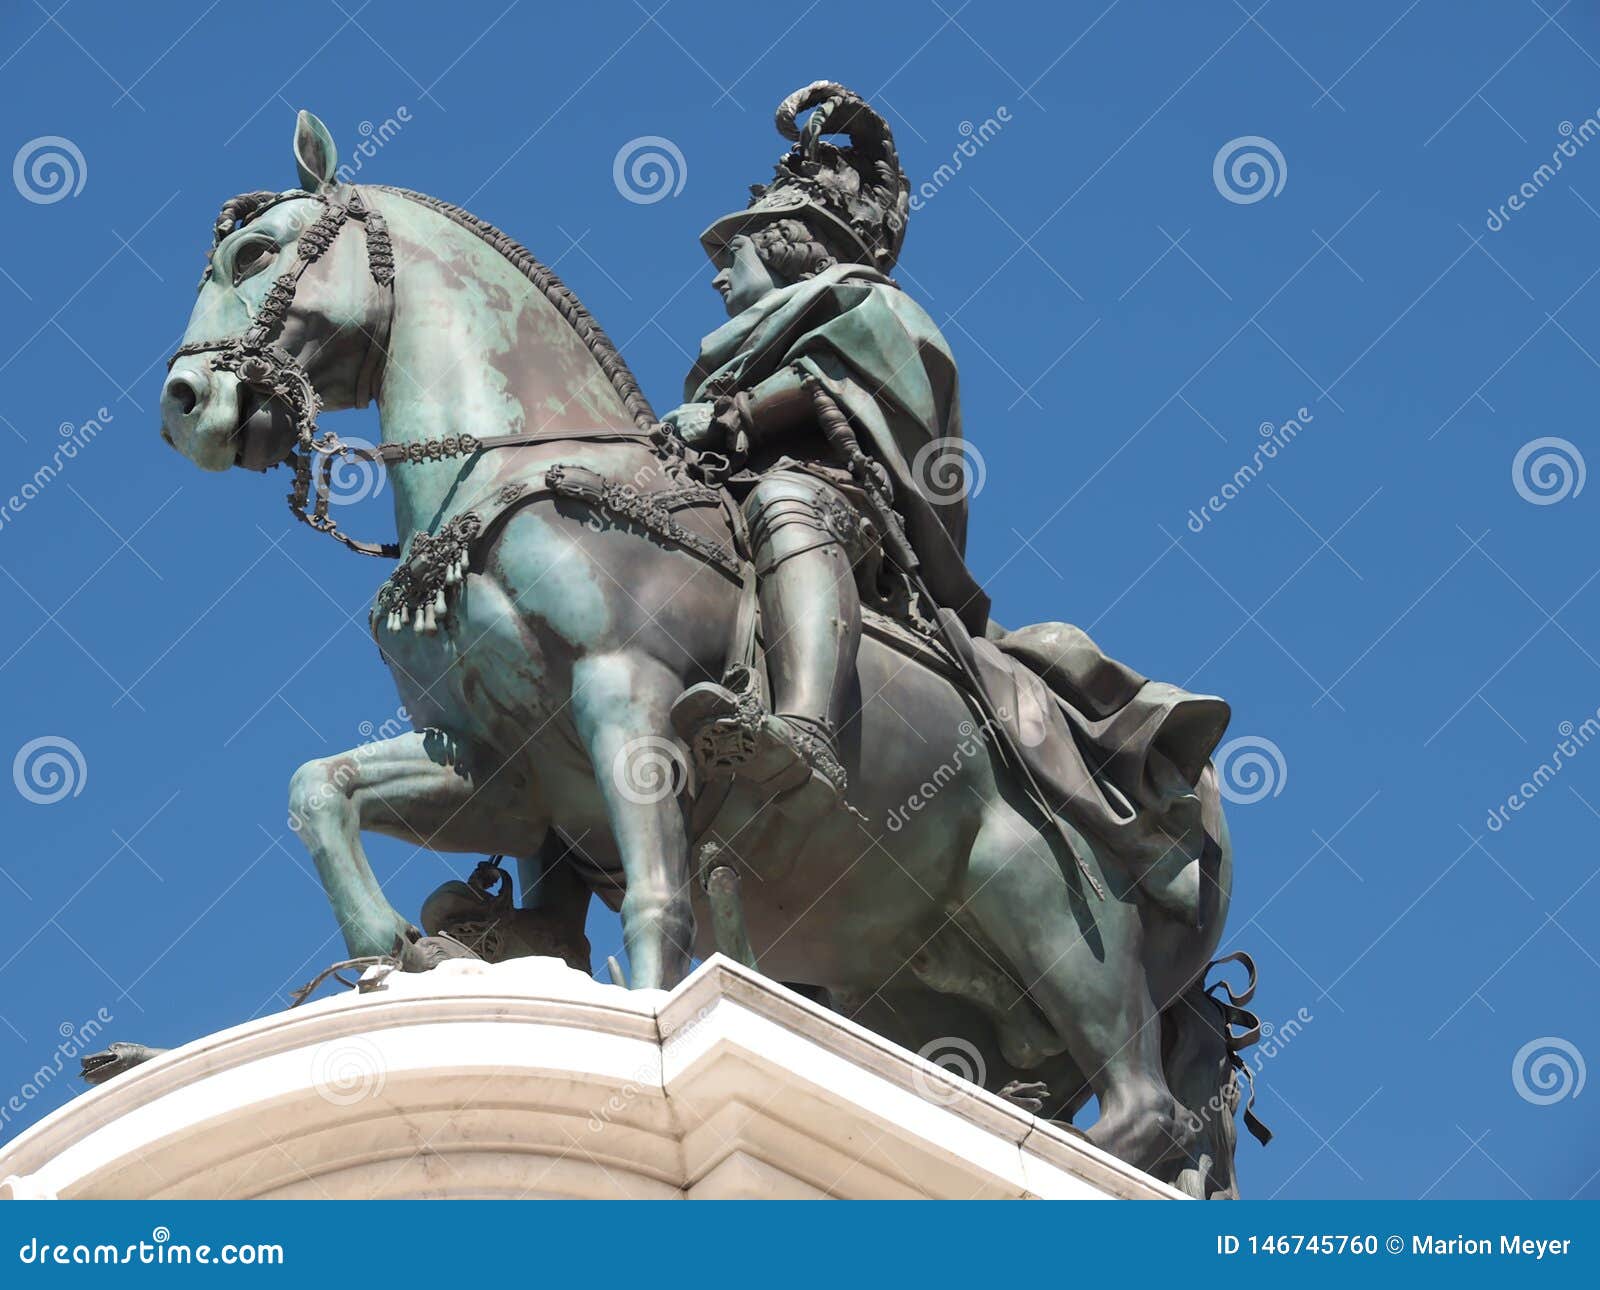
(855, 196)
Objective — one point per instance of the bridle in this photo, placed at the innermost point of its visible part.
(272, 372)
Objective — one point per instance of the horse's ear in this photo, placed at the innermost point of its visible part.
(314, 154)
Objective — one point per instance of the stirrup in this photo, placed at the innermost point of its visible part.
(720, 722)
(731, 732)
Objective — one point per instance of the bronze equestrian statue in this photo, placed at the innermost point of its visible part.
(672, 661)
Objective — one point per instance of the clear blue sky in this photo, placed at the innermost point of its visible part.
(1380, 602)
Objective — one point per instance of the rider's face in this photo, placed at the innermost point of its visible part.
(743, 279)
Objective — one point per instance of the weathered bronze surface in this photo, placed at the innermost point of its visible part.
(696, 643)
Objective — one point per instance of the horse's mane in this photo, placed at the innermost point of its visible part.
(556, 292)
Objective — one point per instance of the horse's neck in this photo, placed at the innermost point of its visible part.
(473, 347)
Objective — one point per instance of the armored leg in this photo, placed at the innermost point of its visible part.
(810, 610)
(807, 539)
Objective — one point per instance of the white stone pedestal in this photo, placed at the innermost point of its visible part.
(529, 1079)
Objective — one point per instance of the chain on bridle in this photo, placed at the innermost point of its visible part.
(272, 372)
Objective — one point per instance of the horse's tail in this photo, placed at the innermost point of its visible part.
(1202, 1036)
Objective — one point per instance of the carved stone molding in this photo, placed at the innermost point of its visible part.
(528, 1078)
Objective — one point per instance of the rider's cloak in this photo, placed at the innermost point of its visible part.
(885, 363)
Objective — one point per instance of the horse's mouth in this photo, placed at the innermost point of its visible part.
(265, 434)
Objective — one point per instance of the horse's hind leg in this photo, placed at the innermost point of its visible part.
(419, 788)
(621, 704)
(1091, 987)
(555, 902)
(1196, 1056)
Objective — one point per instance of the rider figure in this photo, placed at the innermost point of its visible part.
(814, 319)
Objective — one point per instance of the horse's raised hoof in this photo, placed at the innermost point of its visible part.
(427, 952)
(1026, 1094)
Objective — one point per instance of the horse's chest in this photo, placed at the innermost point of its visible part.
(479, 671)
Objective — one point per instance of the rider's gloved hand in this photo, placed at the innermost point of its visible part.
(694, 424)
(732, 420)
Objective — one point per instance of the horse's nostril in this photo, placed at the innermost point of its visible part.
(182, 392)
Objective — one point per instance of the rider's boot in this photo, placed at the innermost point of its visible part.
(811, 626)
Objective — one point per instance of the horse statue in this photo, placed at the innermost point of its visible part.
(567, 568)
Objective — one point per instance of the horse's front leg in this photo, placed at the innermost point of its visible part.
(621, 705)
(422, 787)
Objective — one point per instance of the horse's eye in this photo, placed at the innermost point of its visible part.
(251, 257)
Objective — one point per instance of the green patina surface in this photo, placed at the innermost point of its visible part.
(929, 896)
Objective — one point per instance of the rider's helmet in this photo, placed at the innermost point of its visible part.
(855, 199)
